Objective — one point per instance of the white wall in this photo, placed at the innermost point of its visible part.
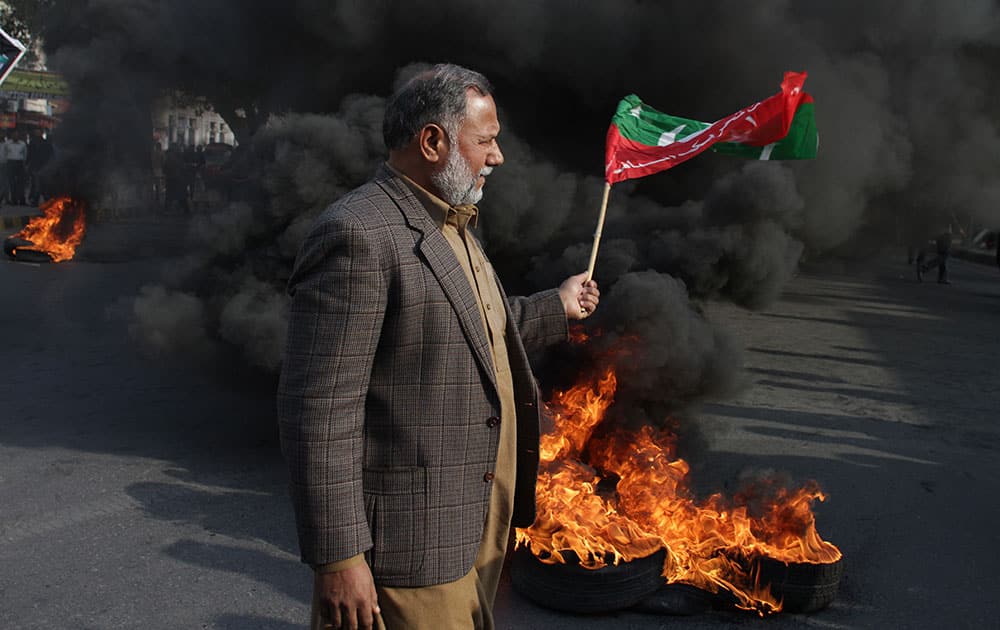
(190, 126)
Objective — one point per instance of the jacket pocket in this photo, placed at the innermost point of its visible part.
(396, 506)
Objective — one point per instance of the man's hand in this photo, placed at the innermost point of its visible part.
(347, 597)
(579, 296)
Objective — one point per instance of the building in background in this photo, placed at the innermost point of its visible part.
(187, 122)
(32, 101)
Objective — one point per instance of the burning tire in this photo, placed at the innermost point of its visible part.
(21, 249)
(678, 599)
(51, 237)
(802, 587)
(572, 588)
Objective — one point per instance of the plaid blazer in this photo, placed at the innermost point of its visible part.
(387, 392)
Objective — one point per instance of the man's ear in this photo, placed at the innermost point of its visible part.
(433, 143)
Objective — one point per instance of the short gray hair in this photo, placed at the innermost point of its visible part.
(435, 96)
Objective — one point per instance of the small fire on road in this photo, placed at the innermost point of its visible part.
(713, 544)
(54, 236)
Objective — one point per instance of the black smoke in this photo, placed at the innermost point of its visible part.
(905, 108)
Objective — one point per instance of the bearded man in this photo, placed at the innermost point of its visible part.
(408, 412)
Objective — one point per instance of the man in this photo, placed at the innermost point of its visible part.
(17, 153)
(39, 154)
(942, 243)
(175, 180)
(4, 177)
(407, 408)
(157, 162)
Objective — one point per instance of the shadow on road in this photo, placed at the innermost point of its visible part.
(884, 390)
(242, 622)
(201, 439)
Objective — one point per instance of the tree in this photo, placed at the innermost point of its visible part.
(23, 19)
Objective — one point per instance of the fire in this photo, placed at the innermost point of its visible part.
(577, 335)
(572, 515)
(58, 232)
(711, 544)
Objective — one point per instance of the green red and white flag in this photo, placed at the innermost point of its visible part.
(642, 141)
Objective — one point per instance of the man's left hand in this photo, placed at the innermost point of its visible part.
(579, 296)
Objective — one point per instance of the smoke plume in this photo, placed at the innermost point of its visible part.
(675, 356)
(904, 104)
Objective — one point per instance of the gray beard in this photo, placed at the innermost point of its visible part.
(456, 183)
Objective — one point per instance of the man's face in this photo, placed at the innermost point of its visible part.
(472, 154)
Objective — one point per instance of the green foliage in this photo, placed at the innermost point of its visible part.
(24, 19)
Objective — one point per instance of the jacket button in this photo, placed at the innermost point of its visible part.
(488, 477)
(492, 421)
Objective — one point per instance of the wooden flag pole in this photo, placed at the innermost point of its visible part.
(597, 234)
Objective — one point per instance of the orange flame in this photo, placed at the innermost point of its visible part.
(711, 544)
(58, 232)
(578, 335)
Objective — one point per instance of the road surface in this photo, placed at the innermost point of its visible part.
(140, 492)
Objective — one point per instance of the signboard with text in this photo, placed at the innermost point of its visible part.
(31, 84)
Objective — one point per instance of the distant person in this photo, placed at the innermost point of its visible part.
(157, 162)
(17, 153)
(915, 239)
(175, 175)
(198, 173)
(39, 154)
(241, 176)
(192, 172)
(4, 180)
(942, 244)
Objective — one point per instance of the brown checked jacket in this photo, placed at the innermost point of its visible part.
(387, 403)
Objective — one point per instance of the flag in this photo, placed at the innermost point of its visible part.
(642, 141)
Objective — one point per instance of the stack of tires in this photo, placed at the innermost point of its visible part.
(21, 249)
(638, 585)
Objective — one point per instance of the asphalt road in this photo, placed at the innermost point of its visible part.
(141, 493)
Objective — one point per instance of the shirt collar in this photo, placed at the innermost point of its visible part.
(440, 211)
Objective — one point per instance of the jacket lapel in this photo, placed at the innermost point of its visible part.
(444, 265)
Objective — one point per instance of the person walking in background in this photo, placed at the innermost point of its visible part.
(942, 245)
(39, 154)
(157, 162)
(4, 175)
(174, 172)
(17, 154)
(913, 232)
(192, 175)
